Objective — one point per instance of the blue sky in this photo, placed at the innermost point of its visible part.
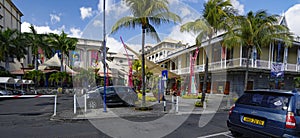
(83, 18)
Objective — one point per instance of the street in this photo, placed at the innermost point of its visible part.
(30, 117)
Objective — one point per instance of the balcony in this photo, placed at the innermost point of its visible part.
(234, 63)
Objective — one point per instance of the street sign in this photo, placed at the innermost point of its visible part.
(164, 74)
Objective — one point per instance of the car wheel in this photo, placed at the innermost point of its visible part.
(236, 134)
(92, 104)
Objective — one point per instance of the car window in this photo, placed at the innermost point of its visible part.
(123, 89)
(268, 100)
(109, 90)
(298, 105)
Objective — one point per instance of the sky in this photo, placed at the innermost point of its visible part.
(83, 18)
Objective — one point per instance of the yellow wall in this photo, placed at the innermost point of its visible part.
(292, 55)
(264, 53)
(236, 52)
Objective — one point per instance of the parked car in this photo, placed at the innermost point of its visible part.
(3, 92)
(266, 113)
(19, 92)
(114, 95)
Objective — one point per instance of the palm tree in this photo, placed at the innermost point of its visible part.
(35, 75)
(215, 17)
(137, 66)
(146, 13)
(37, 41)
(62, 43)
(60, 76)
(256, 30)
(11, 46)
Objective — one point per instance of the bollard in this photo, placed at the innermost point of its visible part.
(172, 99)
(75, 103)
(55, 101)
(228, 102)
(85, 103)
(176, 109)
(165, 104)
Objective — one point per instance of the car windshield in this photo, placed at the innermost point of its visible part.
(268, 100)
(123, 89)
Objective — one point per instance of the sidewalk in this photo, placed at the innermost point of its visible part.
(185, 107)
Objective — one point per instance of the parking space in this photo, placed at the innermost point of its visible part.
(219, 135)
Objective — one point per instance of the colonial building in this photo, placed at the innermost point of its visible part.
(161, 50)
(10, 17)
(227, 67)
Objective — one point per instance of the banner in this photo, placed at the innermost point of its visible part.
(76, 58)
(277, 70)
(94, 58)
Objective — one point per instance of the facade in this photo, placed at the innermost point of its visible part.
(162, 50)
(10, 17)
(227, 66)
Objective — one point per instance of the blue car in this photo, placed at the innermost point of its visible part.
(266, 113)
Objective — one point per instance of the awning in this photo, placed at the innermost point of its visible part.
(18, 81)
(7, 80)
(55, 62)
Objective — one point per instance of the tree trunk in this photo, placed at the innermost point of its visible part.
(7, 67)
(247, 67)
(35, 62)
(204, 89)
(143, 68)
(61, 62)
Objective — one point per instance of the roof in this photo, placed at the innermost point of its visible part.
(55, 62)
(155, 68)
(7, 80)
(18, 81)
(272, 91)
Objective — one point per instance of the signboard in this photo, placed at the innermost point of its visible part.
(164, 74)
(277, 70)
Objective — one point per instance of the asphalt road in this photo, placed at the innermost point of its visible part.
(30, 117)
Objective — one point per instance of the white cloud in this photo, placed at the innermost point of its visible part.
(114, 45)
(184, 37)
(238, 6)
(74, 32)
(97, 23)
(293, 19)
(108, 4)
(86, 12)
(54, 18)
(40, 29)
(184, 11)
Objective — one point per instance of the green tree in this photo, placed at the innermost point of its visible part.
(64, 44)
(146, 13)
(256, 30)
(37, 41)
(86, 77)
(216, 15)
(62, 77)
(35, 75)
(11, 46)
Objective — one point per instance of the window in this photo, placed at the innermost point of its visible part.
(267, 100)
(160, 53)
(298, 106)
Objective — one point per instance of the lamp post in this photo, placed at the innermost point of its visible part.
(104, 57)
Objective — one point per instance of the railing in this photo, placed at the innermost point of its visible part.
(233, 63)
